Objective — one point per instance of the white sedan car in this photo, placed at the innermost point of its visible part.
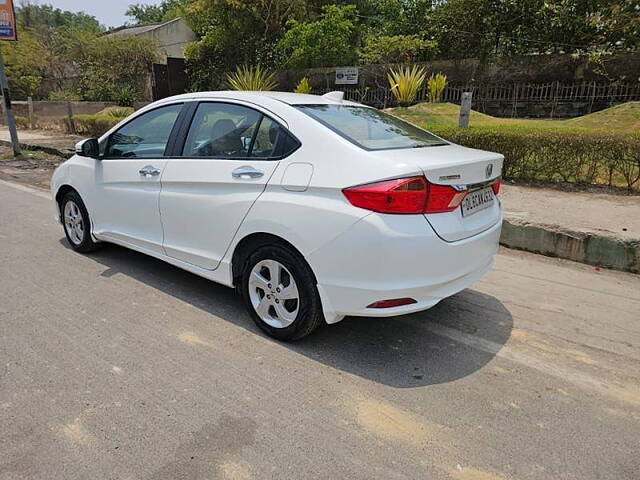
(313, 207)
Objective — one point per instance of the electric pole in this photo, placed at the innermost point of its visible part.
(8, 33)
(8, 110)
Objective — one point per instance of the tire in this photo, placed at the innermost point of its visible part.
(76, 223)
(283, 318)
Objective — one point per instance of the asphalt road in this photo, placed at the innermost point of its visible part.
(115, 365)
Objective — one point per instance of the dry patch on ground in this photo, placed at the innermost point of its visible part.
(31, 168)
(235, 471)
(391, 423)
(76, 434)
(468, 473)
(192, 338)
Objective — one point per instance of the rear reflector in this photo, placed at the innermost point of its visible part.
(405, 195)
(496, 187)
(396, 302)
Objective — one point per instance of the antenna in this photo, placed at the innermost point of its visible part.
(335, 96)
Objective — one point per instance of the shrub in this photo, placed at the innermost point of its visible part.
(59, 95)
(95, 125)
(252, 78)
(397, 48)
(22, 122)
(436, 84)
(303, 86)
(585, 158)
(405, 83)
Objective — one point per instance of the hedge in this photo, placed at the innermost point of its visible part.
(94, 125)
(578, 157)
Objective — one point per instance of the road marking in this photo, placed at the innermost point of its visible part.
(568, 374)
(34, 191)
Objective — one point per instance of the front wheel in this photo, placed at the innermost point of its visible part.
(77, 226)
(280, 293)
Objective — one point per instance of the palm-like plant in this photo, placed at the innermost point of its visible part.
(303, 86)
(252, 78)
(436, 84)
(406, 82)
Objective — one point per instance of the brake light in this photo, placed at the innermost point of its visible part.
(405, 195)
(496, 187)
(402, 195)
(443, 198)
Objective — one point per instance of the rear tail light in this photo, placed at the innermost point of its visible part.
(396, 302)
(496, 187)
(405, 195)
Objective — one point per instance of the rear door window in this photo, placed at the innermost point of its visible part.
(221, 130)
(231, 131)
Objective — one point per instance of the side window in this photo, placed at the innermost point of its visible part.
(221, 130)
(287, 144)
(266, 139)
(145, 136)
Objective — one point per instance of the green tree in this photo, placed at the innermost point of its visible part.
(45, 19)
(108, 68)
(163, 12)
(116, 68)
(233, 33)
(330, 40)
(26, 63)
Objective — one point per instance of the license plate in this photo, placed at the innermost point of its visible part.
(477, 201)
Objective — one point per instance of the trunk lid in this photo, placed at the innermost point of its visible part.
(461, 167)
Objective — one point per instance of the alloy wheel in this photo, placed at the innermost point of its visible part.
(274, 293)
(73, 222)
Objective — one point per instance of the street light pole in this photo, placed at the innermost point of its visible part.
(8, 110)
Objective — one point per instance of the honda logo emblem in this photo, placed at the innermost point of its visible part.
(489, 170)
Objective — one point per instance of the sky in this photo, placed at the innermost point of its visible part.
(108, 12)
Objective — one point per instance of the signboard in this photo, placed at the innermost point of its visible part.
(8, 31)
(347, 76)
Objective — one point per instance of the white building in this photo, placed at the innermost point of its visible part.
(171, 37)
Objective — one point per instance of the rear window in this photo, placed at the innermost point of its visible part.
(369, 128)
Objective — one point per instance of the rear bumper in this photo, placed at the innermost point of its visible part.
(396, 256)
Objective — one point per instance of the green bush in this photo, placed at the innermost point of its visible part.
(303, 86)
(585, 158)
(22, 122)
(96, 124)
(397, 48)
(60, 95)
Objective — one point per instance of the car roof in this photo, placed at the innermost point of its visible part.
(289, 98)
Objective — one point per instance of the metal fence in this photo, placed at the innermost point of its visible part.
(550, 93)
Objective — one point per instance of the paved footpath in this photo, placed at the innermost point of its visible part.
(117, 366)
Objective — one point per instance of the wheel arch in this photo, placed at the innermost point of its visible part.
(62, 191)
(251, 243)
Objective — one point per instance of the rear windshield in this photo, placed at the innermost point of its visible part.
(369, 128)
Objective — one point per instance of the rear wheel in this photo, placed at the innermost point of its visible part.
(77, 226)
(280, 293)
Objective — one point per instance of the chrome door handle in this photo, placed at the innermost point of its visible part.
(149, 170)
(247, 172)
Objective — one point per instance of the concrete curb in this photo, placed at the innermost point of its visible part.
(43, 148)
(590, 248)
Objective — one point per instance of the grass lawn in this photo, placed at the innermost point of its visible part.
(624, 118)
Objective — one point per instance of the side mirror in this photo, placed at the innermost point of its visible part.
(88, 148)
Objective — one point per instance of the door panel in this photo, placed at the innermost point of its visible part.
(202, 205)
(228, 158)
(128, 179)
(127, 209)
